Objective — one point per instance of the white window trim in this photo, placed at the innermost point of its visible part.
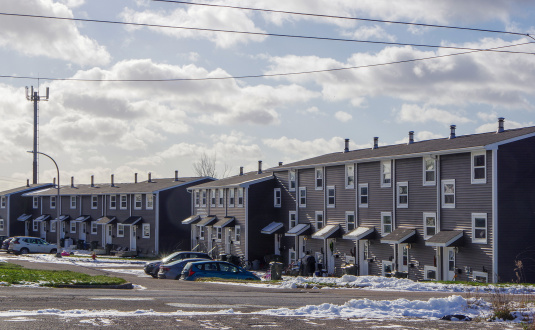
(237, 238)
(443, 196)
(316, 214)
(277, 197)
(240, 197)
(113, 199)
(398, 195)
(290, 180)
(351, 213)
(386, 214)
(35, 202)
(218, 234)
(333, 189)
(149, 201)
(424, 177)
(73, 227)
(94, 227)
(1, 224)
(145, 225)
(425, 216)
(301, 190)
(120, 230)
(121, 202)
(426, 269)
(53, 202)
(290, 219)
(475, 239)
(136, 207)
(231, 197)
(35, 225)
(347, 170)
(361, 185)
(197, 198)
(386, 184)
(385, 263)
(473, 168)
(73, 202)
(481, 274)
(3, 202)
(94, 202)
(204, 196)
(53, 225)
(212, 197)
(316, 177)
(221, 198)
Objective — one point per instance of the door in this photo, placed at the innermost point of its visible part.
(109, 232)
(133, 238)
(302, 247)
(228, 240)
(449, 264)
(277, 244)
(27, 228)
(403, 258)
(83, 230)
(62, 225)
(209, 238)
(43, 230)
(364, 255)
(330, 255)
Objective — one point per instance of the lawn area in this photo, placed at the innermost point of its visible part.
(15, 274)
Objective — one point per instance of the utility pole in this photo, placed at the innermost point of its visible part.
(34, 97)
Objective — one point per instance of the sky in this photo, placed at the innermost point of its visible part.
(179, 112)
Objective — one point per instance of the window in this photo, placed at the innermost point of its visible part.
(149, 201)
(292, 219)
(430, 273)
(479, 228)
(35, 202)
(277, 197)
(429, 173)
(120, 230)
(35, 225)
(146, 230)
(203, 198)
(73, 226)
(448, 193)
(319, 220)
(52, 202)
(350, 220)
(386, 173)
(201, 232)
(292, 180)
(350, 176)
(196, 196)
(331, 196)
(237, 234)
(113, 202)
(319, 178)
(53, 224)
(386, 223)
(1, 224)
(138, 202)
(3, 202)
(221, 197)
(403, 195)
(124, 202)
(240, 197)
(231, 197)
(219, 233)
(94, 202)
(363, 195)
(482, 277)
(430, 225)
(73, 202)
(302, 197)
(479, 167)
(212, 197)
(93, 227)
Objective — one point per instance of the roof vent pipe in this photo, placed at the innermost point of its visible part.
(411, 137)
(176, 175)
(150, 177)
(135, 177)
(259, 167)
(346, 148)
(27, 182)
(280, 163)
(452, 131)
(92, 180)
(500, 125)
(241, 170)
(375, 142)
(72, 181)
(54, 181)
(112, 183)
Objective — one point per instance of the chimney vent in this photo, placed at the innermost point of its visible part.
(346, 148)
(375, 142)
(112, 183)
(500, 125)
(259, 167)
(92, 180)
(280, 163)
(54, 181)
(411, 137)
(135, 177)
(72, 181)
(176, 175)
(452, 131)
(27, 182)
(150, 177)
(241, 170)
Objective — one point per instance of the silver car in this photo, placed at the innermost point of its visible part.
(25, 244)
(173, 270)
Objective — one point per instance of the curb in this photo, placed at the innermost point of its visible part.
(85, 286)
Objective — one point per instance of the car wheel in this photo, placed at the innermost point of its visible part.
(177, 277)
(154, 275)
(24, 251)
(54, 251)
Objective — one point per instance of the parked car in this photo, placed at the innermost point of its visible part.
(152, 268)
(217, 269)
(173, 270)
(5, 244)
(24, 245)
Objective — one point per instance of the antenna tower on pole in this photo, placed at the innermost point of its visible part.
(35, 98)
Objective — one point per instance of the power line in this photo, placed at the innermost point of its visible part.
(264, 75)
(341, 17)
(259, 33)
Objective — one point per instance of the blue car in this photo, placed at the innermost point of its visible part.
(215, 269)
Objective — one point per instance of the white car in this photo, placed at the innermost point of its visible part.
(24, 245)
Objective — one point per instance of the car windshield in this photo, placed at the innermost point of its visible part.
(169, 257)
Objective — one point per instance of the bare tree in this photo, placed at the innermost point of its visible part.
(206, 166)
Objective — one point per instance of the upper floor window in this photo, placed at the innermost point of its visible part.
(448, 193)
(319, 178)
(35, 202)
(212, 197)
(113, 202)
(302, 197)
(429, 172)
(479, 168)
(52, 202)
(319, 220)
(149, 201)
(3, 202)
(221, 197)
(331, 196)
(403, 195)
(203, 198)
(231, 197)
(124, 202)
(350, 220)
(277, 200)
(430, 224)
(94, 201)
(138, 200)
(350, 176)
(292, 180)
(386, 223)
(196, 197)
(292, 217)
(479, 228)
(386, 173)
(363, 195)
(73, 202)
(240, 197)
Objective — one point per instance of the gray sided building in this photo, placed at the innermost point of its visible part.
(13, 206)
(458, 208)
(229, 214)
(137, 216)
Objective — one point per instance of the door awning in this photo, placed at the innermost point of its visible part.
(326, 232)
(131, 221)
(224, 222)
(298, 230)
(24, 217)
(43, 217)
(399, 236)
(64, 217)
(83, 218)
(206, 221)
(272, 228)
(360, 233)
(106, 220)
(445, 238)
(192, 219)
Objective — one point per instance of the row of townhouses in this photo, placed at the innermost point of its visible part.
(456, 208)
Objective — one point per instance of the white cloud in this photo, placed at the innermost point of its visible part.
(508, 124)
(343, 116)
(413, 113)
(374, 32)
(298, 149)
(56, 39)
